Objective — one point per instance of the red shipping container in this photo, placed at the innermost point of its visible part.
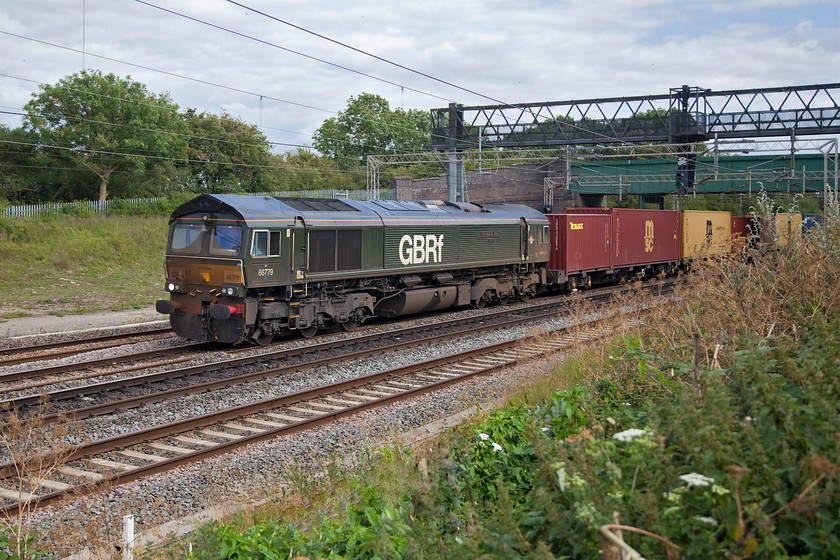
(741, 232)
(645, 237)
(580, 242)
(641, 237)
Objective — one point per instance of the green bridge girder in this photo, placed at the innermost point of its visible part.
(725, 174)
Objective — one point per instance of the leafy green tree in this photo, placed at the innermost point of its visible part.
(303, 169)
(367, 127)
(16, 157)
(106, 125)
(228, 155)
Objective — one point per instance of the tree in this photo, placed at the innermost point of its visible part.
(228, 155)
(17, 153)
(368, 126)
(106, 124)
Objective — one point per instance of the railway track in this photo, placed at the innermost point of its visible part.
(105, 397)
(61, 349)
(135, 455)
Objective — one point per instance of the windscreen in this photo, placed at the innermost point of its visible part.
(186, 238)
(226, 240)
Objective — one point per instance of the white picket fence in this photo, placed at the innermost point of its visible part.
(92, 206)
(97, 207)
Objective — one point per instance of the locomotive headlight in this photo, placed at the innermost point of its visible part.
(170, 287)
(230, 291)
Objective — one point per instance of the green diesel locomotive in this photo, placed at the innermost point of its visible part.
(248, 268)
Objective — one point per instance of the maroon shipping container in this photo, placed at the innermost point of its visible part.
(645, 237)
(641, 237)
(741, 231)
(580, 242)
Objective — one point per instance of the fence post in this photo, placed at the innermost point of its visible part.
(128, 537)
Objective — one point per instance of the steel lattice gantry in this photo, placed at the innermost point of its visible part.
(692, 115)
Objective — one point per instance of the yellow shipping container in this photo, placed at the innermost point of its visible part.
(788, 226)
(705, 233)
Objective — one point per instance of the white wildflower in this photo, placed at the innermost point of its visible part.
(631, 434)
(561, 478)
(497, 447)
(706, 520)
(485, 437)
(696, 479)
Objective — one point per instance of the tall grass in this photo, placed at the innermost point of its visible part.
(69, 264)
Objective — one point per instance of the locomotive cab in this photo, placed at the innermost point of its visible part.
(204, 277)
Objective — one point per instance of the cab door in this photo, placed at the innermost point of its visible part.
(528, 239)
(265, 267)
(297, 252)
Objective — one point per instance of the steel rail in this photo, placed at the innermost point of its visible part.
(5, 353)
(95, 363)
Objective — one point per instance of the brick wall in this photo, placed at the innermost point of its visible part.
(519, 184)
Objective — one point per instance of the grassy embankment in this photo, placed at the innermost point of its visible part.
(713, 427)
(66, 264)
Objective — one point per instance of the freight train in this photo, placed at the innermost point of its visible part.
(244, 268)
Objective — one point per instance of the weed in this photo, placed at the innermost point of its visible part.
(34, 451)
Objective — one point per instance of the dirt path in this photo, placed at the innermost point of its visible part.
(22, 326)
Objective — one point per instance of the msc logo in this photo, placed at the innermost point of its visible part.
(421, 249)
(649, 236)
(575, 226)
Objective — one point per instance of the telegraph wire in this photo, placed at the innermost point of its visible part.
(276, 46)
(360, 51)
(96, 94)
(150, 69)
(398, 65)
(164, 72)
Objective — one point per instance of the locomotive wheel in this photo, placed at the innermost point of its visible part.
(504, 300)
(524, 297)
(480, 303)
(308, 332)
(356, 318)
(263, 338)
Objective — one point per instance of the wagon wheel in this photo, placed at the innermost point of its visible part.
(307, 332)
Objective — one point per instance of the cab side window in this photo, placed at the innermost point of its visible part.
(265, 244)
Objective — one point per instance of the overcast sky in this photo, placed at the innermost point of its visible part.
(216, 56)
